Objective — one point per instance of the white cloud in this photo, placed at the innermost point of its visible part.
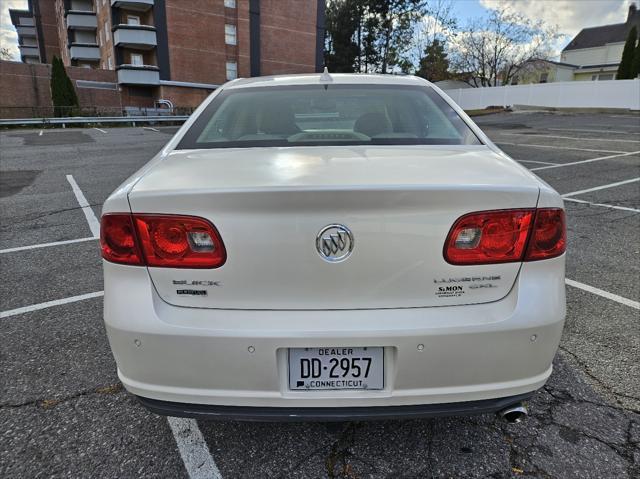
(8, 35)
(570, 16)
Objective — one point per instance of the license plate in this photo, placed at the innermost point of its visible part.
(336, 368)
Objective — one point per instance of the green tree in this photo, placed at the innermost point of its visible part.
(342, 20)
(434, 65)
(635, 64)
(397, 21)
(63, 94)
(624, 70)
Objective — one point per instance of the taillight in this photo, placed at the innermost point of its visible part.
(170, 241)
(489, 237)
(549, 235)
(503, 236)
(118, 239)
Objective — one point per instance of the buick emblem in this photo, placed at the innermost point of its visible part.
(334, 243)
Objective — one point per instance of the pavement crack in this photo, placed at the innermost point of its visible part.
(336, 463)
(24, 219)
(603, 385)
(567, 396)
(51, 403)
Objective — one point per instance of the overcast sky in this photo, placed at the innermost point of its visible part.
(570, 15)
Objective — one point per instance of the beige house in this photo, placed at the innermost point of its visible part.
(593, 54)
(597, 51)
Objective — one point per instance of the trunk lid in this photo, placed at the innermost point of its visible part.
(269, 204)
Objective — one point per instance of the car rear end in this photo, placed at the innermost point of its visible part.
(381, 274)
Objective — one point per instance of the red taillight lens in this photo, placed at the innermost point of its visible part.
(118, 240)
(502, 236)
(489, 237)
(549, 237)
(179, 242)
(168, 241)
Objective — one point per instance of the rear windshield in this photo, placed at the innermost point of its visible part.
(318, 115)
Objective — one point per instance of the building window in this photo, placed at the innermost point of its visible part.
(110, 62)
(605, 76)
(230, 34)
(136, 59)
(594, 77)
(133, 20)
(544, 77)
(106, 31)
(232, 70)
(230, 3)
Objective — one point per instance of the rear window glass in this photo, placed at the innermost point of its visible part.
(317, 115)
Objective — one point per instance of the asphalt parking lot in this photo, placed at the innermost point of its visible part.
(63, 412)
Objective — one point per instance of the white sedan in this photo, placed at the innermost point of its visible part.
(333, 247)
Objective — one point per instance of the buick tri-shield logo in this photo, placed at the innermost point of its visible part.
(334, 243)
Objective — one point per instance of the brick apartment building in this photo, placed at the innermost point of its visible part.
(177, 50)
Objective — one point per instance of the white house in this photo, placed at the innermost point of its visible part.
(596, 52)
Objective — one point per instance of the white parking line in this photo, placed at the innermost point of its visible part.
(150, 128)
(604, 205)
(591, 160)
(601, 187)
(570, 137)
(558, 147)
(589, 131)
(193, 449)
(604, 294)
(50, 304)
(94, 224)
(41, 132)
(45, 245)
(537, 162)
(100, 130)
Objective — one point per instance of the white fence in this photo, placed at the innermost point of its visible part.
(576, 94)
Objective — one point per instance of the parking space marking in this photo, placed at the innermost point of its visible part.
(591, 160)
(150, 128)
(537, 162)
(601, 187)
(589, 130)
(604, 294)
(100, 130)
(49, 304)
(46, 245)
(557, 137)
(193, 449)
(604, 205)
(94, 224)
(40, 134)
(558, 147)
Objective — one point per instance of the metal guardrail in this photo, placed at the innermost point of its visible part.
(96, 119)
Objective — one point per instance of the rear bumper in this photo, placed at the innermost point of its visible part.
(238, 358)
(291, 414)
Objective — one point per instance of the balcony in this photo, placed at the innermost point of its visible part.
(26, 31)
(140, 5)
(81, 20)
(138, 75)
(29, 52)
(84, 51)
(141, 37)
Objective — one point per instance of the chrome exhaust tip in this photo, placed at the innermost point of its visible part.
(514, 414)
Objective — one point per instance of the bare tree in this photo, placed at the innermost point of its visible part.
(491, 51)
(438, 24)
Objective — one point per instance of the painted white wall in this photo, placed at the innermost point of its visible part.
(593, 94)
